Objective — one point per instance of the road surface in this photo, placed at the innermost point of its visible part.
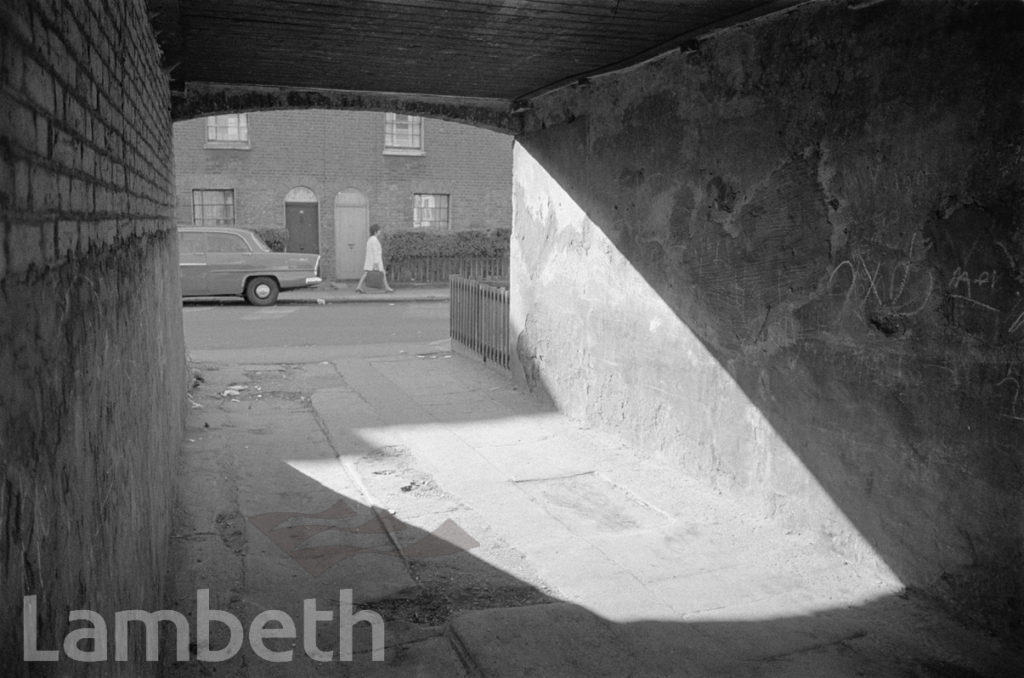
(220, 326)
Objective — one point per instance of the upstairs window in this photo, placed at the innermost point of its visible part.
(227, 131)
(430, 210)
(403, 134)
(213, 207)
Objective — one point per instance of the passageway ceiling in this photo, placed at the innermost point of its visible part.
(493, 54)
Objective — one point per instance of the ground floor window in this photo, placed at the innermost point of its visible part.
(430, 210)
(213, 208)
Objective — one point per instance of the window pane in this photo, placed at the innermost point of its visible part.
(233, 127)
(403, 131)
(430, 210)
(213, 208)
(225, 242)
(191, 243)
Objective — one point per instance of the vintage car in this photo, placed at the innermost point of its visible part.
(222, 261)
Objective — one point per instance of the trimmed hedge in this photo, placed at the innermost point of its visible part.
(276, 238)
(414, 243)
(400, 245)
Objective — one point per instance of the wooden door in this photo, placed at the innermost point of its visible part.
(351, 229)
(302, 219)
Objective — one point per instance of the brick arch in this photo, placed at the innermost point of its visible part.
(301, 194)
(207, 99)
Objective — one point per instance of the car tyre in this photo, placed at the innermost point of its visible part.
(261, 291)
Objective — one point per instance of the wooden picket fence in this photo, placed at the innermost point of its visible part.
(439, 269)
(479, 319)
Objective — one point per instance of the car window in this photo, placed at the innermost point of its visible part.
(260, 245)
(191, 243)
(225, 242)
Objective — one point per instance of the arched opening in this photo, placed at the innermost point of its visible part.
(772, 268)
(351, 226)
(416, 170)
(302, 220)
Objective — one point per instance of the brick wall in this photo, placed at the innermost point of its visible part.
(92, 357)
(331, 151)
(789, 259)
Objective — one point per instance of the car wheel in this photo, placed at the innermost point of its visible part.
(261, 291)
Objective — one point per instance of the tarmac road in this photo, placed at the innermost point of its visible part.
(238, 325)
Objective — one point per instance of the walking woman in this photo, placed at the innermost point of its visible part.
(374, 261)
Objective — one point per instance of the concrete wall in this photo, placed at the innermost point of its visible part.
(332, 151)
(92, 358)
(790, 258)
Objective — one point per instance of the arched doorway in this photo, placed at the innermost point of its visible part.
(302, 219)
(351, 228)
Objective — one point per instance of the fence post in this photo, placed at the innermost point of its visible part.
(430, 269)
(479, 319)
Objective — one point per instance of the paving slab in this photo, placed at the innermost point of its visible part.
(421, 659)
(344, 292)
(548, 640)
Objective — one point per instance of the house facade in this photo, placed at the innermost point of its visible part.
(325, 176)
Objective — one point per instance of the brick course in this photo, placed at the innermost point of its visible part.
(93, 355)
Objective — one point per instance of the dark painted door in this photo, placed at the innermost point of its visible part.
(302, 219)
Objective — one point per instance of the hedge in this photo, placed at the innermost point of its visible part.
(400, 245)
(276, 238)
(412, 243)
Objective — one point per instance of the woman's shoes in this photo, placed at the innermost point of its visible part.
(359, 291)
(389, 290)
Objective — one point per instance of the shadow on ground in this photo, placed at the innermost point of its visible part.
(270, 516)
(449, 613)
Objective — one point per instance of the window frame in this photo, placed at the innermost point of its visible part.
(200, 207)
(216, 142)
(416, 211)
(391, 140)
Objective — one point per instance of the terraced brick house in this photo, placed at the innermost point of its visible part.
(325, 176)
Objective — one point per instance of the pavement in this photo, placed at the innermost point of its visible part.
(343, 292)
(495, 537)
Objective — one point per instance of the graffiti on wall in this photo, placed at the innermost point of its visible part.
(884, 290)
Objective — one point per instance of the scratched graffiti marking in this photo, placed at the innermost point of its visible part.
(871, 287)
(984, 290)
(1011, 388)
(986, 300)
(1017, 325)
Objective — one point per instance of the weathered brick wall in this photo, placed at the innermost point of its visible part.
(790, 259)
(331, 151)
(92, 369)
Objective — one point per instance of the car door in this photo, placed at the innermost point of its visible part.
(192, 260)
(228, 261)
